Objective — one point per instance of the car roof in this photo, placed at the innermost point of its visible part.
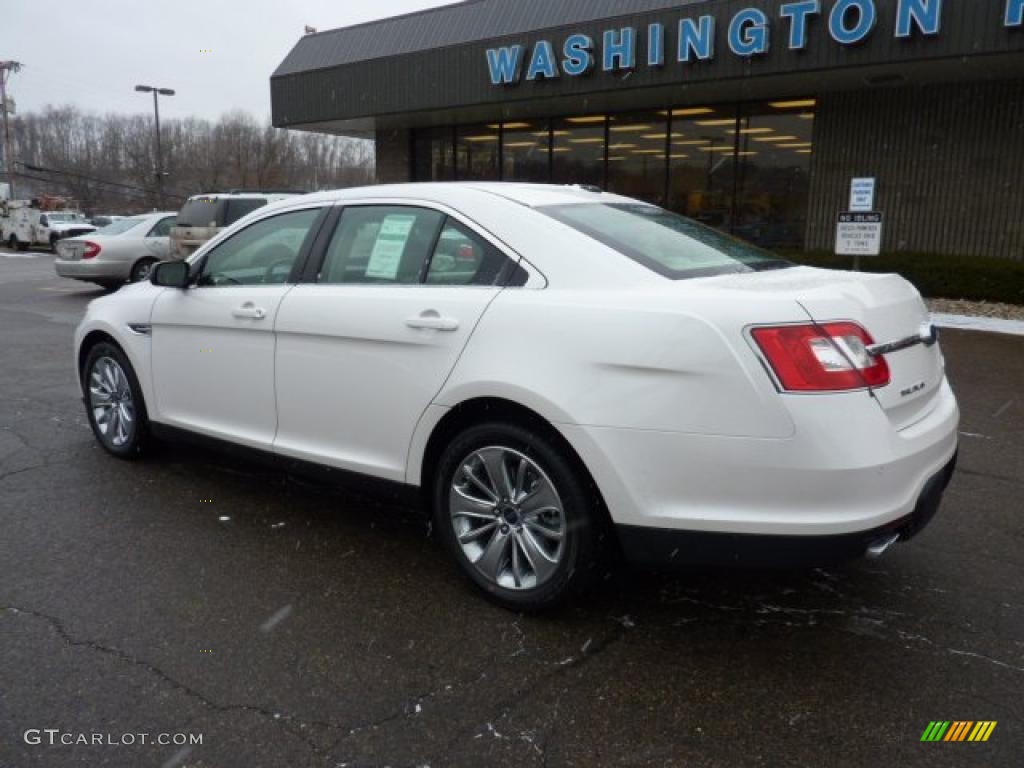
(149, 215)
(530, 195)
(248, 195)
(502, 209)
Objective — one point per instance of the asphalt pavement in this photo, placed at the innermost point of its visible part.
(287, 623)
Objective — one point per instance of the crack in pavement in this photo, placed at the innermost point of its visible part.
(501, 707)
(519, 695)
(285, 720)
(45, 465)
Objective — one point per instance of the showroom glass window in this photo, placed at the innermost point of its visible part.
(637, 150)
(526, 151)
(775, 145)
(577, 150)
(476, 152)
(434, 154)
(263, 253)
(702, 164)
(743, 169)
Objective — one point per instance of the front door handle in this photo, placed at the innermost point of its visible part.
(431, 320)
(249, 311)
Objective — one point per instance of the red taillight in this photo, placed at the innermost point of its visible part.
(92, 250)
(822, 358)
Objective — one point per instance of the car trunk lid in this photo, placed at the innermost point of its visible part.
(71, 250)
(889, 308)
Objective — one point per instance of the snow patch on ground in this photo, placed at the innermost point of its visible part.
(986, 324)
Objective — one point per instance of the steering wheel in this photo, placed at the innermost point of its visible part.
(269, 272)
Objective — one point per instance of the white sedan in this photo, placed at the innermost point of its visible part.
(123, 251)
(562, 374)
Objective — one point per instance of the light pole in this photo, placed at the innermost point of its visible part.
(157, 92)
(6, 69)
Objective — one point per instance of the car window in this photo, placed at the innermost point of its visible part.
(199, 212)
(377, 244)
(664, 242)
(120, 226)
(262, 253)
(461, 257)
(163, 227)
(242, 207)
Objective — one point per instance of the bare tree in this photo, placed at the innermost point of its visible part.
(106, 162)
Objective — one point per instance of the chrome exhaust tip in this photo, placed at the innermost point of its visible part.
(879, 547)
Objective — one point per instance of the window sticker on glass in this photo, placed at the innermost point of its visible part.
(392, 237)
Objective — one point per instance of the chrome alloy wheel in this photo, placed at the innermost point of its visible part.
(507, 518)
(110, 397)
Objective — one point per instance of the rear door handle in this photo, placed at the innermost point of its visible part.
(431, 320)
(249, 311)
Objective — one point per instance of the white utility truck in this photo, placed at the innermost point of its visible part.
(43, 221)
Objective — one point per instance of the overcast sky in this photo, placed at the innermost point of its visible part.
(92, 53)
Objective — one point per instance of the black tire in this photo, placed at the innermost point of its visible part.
(138, 437)
(581, 555)
(53, 243)
(141, 270)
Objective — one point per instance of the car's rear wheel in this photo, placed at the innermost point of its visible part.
(142, 270)
(114, 404)
(516, 515)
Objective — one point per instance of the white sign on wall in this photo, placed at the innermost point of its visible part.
(862, 195)
(859, 234)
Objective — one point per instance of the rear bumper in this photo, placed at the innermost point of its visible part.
(845, 470)
(667, 547)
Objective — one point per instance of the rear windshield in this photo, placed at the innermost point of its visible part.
(120, 226)
(662, 241)
(199, 212)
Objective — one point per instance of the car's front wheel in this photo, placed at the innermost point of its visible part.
(516, 515)
(113, 397)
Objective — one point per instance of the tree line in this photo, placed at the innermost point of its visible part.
(108, 162)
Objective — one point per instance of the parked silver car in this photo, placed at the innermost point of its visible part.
(126, 250)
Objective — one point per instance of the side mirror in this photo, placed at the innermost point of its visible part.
(171, 274)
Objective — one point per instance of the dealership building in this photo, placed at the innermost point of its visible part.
(751, 116)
